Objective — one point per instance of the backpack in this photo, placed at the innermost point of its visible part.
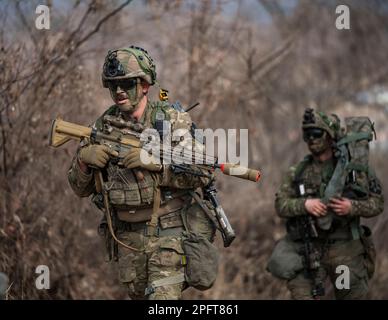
(359, 133)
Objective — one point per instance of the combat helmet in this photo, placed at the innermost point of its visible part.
(319, 119)
(129, 62)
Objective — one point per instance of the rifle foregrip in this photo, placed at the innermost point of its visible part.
(231, 169)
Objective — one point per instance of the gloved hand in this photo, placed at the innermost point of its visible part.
(96, 155)
(132, 160)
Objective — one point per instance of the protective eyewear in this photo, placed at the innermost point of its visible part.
(124, 84)
(312, 133)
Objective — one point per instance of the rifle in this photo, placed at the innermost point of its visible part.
(63, 131)
(311, 255)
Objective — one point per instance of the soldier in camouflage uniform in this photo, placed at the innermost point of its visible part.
(345, 243)
(155, 268)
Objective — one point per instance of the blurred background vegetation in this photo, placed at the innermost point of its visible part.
(251, 64)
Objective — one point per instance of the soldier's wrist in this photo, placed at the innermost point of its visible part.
(84, 168)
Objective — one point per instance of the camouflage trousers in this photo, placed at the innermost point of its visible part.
(161, 256)
(349, 253)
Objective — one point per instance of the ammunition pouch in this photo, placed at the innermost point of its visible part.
(126, 190)
(370, 250)
(285, 261)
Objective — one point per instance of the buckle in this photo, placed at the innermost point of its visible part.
(151, 231)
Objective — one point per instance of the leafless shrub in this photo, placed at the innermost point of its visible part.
(256, 71)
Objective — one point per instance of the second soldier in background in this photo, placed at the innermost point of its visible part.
(324, 235)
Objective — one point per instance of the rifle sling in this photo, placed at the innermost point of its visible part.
(205, 209)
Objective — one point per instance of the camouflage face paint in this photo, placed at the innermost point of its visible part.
(126, 93)
(318, 145)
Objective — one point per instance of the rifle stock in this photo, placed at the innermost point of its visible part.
(63, 131)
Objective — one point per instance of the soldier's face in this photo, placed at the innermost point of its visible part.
(126, 93)
(318, 141)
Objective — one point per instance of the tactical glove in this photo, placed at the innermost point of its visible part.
(132, 160)
(96, 155)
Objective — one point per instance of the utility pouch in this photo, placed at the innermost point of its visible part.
(202, 257)
(285, 261)
(202, 260)
(126, 190)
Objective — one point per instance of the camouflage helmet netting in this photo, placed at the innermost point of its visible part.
(318, 119)
(131, 62)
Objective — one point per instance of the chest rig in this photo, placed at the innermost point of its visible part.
(128, 188)
(311, 179)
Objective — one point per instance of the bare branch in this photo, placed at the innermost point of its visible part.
(101, 22)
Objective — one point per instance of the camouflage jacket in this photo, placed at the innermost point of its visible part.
(314, 178)
(139, 193)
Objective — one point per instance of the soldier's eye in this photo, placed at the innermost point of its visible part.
(112, 85)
